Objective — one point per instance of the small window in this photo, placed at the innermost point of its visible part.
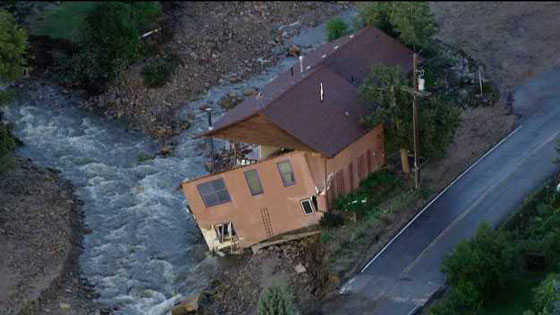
(307, 206)
(351, 175)
(214, 192)
(285, 169)
(368, 154)
(254, 183)
(225, 232)
(361, 167)
(340, 189)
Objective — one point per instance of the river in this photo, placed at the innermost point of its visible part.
(143, 251)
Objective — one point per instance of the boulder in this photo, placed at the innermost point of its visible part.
(188, 306)
(249, 92)
(230, 100)
(294, 51)
(300, 268)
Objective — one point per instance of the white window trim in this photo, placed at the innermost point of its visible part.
(310, 203)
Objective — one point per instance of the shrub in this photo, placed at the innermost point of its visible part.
(157, 73)
(336, 28)
(108, 41)
(464, 299)
(487, 261)
(547, 295)
(276, 300)
(7, 145)
(13, 42)
(144, 13)
(331, 219)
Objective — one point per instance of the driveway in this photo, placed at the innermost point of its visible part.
(405, 274)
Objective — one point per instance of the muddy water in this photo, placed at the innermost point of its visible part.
(143, 251)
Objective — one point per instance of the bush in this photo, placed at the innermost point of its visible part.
(157, 73)
(108, 42)
(7, 145)
(336, 28)
(547, 295)
(331, 219)
(487, 261)
(13, 43)
(464, 299)
(373, 190)
(276, 300)
(144, 13)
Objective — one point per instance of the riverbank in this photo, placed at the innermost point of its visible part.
(214, 43)
(41, 231)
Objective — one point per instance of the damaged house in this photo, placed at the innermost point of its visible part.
(311, 145)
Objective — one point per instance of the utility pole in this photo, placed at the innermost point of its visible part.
(415, 123)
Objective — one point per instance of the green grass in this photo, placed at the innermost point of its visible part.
(64, 21)
(517, 298)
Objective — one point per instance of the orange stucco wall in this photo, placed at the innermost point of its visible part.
(372, 141)
(244, 210)
(282, 203)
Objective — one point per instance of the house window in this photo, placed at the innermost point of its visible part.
(285, 169)
(225, 232)
(214, 192)
(307, 206)
(351, 175)
(361, 167)
(340, 189)
(254, 183)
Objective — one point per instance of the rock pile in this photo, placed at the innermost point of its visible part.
(214, 43)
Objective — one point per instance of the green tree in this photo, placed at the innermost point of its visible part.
(547, 295)
(378, 14)
(108, 42)
(13, 43)
(411, 22)
(486, 261)
(276, 300)
(336, 28)
(438, 118)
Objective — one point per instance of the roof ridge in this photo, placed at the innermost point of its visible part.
(303, 77)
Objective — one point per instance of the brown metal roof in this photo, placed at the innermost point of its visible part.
(293, 101)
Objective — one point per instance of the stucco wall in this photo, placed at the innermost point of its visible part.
(281, 203)
(372, 141)
(244, 210)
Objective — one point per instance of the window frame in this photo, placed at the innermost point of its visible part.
(282, 174)
(215, 192)
(351, 175)
(258, 180)
(313, 210)
(225, 238)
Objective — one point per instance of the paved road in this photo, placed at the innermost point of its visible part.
(401, 278)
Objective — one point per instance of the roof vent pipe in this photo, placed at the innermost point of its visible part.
(301, 64)
(322, 92)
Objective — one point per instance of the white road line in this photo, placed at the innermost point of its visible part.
(414, 310)
(437, 197)
(475, 203)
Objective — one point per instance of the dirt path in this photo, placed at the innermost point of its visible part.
(40, 235)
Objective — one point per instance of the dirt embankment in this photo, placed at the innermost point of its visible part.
(40, 241)
(514, 40)
(214, 42)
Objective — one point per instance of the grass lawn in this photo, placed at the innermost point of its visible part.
(63, 21)
(517, 298)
